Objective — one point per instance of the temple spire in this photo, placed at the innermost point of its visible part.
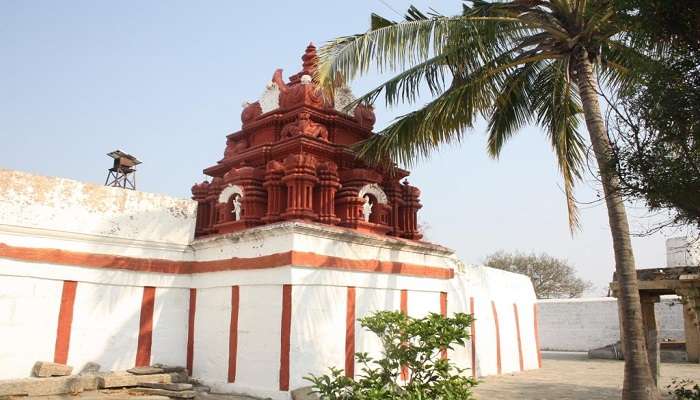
(310, 59)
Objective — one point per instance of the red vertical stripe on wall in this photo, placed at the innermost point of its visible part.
(498, 337)
(443, 312)
(473, 338)
(517, 330)
(404, 301)
(404, 311)
(285, 337)
(65, 321)
(143, 349)
(350, 334)
(536, 318)
(233, 334)
(190, 329)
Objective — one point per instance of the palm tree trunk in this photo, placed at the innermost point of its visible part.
(638, 381)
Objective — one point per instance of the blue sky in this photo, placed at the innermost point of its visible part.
(164, 80)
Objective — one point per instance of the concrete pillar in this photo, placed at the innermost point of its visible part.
(651, 333)
(692, 335)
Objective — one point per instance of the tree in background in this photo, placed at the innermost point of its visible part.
(655, 122)
(514, 63)
(551, 277)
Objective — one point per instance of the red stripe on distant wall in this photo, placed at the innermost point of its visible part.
(65, 321)
(286, 330)
(190, 329)
(443, 312)
(143, 349)
(350, 334)
(498, 337)
(233, 334)
(473, 338)
(537, 334)
(517, 330)
(404, 311)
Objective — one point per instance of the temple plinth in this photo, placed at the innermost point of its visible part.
(292, 160)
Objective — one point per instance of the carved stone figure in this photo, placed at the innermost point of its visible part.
(305, 126)
(237, 207)
(367, 208)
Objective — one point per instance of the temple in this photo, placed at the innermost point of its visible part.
(257, 281)
(292, 160)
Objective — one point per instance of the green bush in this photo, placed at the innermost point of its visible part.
(684, 389)
(414, 345)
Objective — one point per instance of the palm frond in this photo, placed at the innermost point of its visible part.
(558, 107)
(512, 106)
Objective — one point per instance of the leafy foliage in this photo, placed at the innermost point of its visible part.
(512, 62)
(684, 389)
(552, 278)
(656, 122)
(409, 344)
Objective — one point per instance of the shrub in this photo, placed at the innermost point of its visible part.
(412, 347)
(684, 389)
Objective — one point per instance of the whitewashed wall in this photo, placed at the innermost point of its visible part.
(28, 320)
(35, 201)
(104, 328)
(589, 323)
(487, 285)
(170, 314)
(52, 213)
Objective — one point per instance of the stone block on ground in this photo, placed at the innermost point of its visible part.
(145, 371)
(90, 368)
(169, 386)
(305, 393)
(125, 379)
(45, 369)
(182, 394)
(609, 352)
(46, 386)
(170, 368)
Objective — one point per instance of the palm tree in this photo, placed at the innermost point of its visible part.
(514, 63)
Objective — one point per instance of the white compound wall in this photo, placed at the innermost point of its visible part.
(590, 323)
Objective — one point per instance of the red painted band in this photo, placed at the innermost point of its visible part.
(404, 311)
(498, 338)
(233, 334)
(190, 329)
(285, 337)
(473, 338)
(143, 349)
(350, 334)
(443, 312)
(520, 343)
(65, 321)
(537, 334)
(295, 258)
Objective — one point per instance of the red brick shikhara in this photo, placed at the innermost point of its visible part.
(292, 160)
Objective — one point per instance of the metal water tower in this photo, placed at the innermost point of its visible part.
(123, 171)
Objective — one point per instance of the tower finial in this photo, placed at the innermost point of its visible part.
(309, 59)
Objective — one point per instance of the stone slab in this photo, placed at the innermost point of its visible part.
(45, 369)
(145, 371)
(168, 386)
(183, 394)
(170, 368)
(125, 379)
(304, 393)
(47, 386)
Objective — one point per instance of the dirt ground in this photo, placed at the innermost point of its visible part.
(572, 376)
